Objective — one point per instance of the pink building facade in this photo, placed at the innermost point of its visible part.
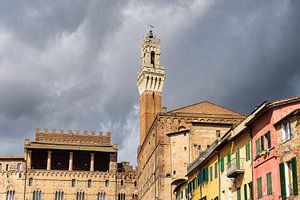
(265, 148)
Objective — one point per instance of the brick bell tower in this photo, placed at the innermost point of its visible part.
(150, 82)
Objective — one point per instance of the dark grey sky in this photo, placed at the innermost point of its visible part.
(72, 64)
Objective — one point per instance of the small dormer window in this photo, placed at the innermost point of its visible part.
(152, 59)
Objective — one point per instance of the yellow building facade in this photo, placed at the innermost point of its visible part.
(235, 167)
(204, 176)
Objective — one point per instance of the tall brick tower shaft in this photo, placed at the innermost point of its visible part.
(150, 82)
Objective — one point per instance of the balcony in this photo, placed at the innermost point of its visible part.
(235, 168)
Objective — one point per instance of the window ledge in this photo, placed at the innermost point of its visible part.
(285, 141)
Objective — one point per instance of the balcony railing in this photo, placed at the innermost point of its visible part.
(235, 167)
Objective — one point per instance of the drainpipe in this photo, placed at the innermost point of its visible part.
(25, 183)
(219, 172)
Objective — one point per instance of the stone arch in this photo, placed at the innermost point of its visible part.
(181, 128)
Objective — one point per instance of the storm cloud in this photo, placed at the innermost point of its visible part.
(73, 64)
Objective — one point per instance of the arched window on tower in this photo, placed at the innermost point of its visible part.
(152, 59)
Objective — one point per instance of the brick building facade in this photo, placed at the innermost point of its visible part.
(171, 140)
(67, 165)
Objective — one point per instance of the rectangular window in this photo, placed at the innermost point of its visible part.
(0, 166)
(7, 167)
(248, 156)
(73, 183)
(211, 173)
(259, 188)
(257, 143)
(238, 193)
(268, 136)
(269, 183)
(222, 164)
(288, 178)
(262, 141)
(19, 167)
(286, 131)
(216, 169)
(218, 133)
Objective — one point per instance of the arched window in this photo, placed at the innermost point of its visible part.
(101, 195)
(37, 195)
(134, 197)
(10, 195)
(122, 182)
(152, 59)
(59, 195)
(80, 195)
(73, 183)
(121, 196)
(30, 181)
(89, 183)
(135, 183)
(106, 183)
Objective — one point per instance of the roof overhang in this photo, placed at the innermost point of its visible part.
(78, 147)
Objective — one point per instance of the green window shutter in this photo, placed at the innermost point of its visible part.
(245, 192)
(222, 164)
(238, 193)
(269, 183)
(216, 169)
(251, 189)
(247, 151)
(206, 174)
(262, 143)
(237, 159)
(258, 146)
(259, 188)
(228, 160)
(294, 174)
(282, 181)
(211, 173)
(268, 136)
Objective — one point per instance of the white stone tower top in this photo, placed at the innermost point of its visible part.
(151, 76)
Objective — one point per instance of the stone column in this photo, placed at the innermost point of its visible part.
(92, 162)
(70, 161)
(29, 153)
(49, 160)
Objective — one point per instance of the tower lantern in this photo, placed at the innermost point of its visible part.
(150, 82)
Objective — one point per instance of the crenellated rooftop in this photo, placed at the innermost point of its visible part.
(72, 137)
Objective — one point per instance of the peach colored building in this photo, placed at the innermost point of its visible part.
(265, 148)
